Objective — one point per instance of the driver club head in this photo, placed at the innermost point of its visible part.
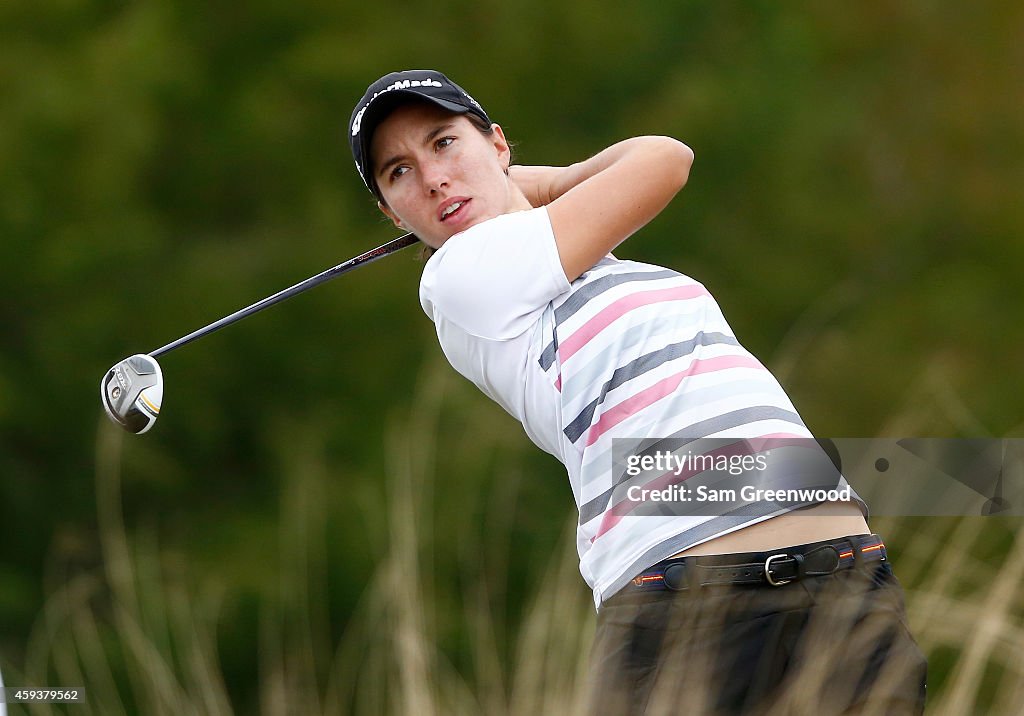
(132, 392)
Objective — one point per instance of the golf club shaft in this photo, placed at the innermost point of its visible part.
(370, 256)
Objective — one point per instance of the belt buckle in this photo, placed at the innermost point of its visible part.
(768, 570)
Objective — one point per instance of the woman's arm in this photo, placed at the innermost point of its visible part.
(596, 204)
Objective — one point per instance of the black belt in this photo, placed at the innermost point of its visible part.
(775, 567)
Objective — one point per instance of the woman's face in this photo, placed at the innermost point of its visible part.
(438, 174)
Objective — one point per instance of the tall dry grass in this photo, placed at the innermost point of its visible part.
(141, 633)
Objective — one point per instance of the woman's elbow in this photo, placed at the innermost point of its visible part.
(675, 159)
(682, 160)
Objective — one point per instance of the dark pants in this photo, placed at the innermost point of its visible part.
(835, 644)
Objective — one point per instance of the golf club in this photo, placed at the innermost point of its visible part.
(132, 390)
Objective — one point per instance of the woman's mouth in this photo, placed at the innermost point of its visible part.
(454, 210)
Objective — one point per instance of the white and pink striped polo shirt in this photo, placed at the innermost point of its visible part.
(627, 350)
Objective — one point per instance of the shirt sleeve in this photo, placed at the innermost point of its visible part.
(495, 279)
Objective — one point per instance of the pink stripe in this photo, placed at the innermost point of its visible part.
(558, 383)
(637, 402)
(743, 446)
(618, 308)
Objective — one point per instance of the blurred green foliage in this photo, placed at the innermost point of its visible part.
(854, 205)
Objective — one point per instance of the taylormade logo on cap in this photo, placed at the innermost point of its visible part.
(401, 84)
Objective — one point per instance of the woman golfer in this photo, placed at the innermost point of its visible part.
(724, 609)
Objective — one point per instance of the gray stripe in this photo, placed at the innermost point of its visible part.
(726, 421)
(598, 286)
(638, 367)
(580, 298)
(548, 356)
(658, 422)
(671, 320)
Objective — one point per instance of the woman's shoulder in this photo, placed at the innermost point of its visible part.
(494, 275)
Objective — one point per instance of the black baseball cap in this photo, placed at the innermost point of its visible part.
(391, 90)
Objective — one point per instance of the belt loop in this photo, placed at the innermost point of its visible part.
(693, 581)
(801, 569)
(858, 556)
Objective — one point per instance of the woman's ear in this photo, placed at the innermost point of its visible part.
(502, 146)
(386, 210)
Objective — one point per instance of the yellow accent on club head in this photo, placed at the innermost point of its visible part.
(149, 404)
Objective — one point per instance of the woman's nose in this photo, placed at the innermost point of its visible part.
(434, 177)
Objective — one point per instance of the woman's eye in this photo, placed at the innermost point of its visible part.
(399, 171)
(444, 142)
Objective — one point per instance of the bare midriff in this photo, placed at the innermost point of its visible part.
(813, 524)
